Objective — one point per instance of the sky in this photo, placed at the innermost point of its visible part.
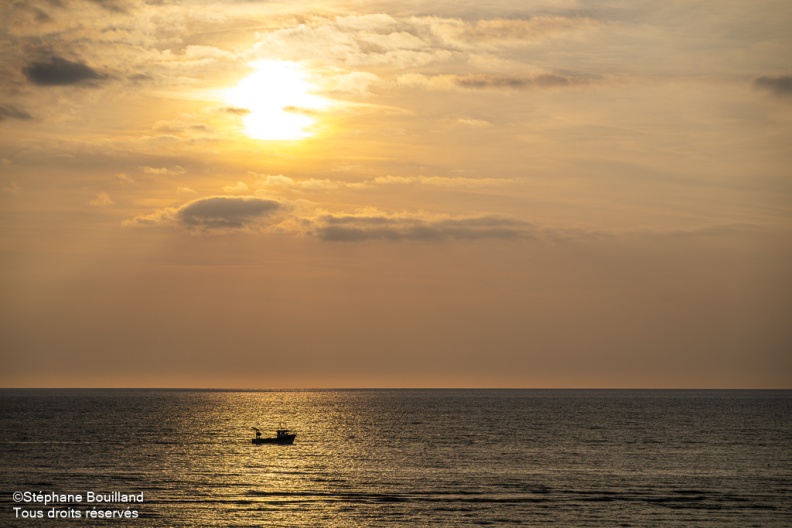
(320, 194)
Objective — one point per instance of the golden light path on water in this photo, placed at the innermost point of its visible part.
(279, 99)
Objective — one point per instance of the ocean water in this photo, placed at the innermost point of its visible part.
(439, 458)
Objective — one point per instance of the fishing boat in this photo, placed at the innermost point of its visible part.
(282, 436)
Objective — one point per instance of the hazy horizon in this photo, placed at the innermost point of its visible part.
(350, 194)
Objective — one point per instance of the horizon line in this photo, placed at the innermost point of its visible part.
(320, 389)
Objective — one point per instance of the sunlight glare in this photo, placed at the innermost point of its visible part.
(279, 100)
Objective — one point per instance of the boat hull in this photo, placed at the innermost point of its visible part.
(281, 440)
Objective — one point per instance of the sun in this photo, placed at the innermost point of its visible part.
(279, 99)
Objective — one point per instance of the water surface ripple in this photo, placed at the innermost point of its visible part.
(397, 458)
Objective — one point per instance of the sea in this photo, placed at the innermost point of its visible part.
(396, 458)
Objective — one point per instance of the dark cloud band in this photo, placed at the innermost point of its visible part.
(58, 71)
(360, 229)
(518, 82)
(225, 212)
(778, 85)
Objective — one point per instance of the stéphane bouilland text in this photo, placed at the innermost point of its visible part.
(89, 497)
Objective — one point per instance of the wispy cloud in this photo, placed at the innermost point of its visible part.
(239, 187)
(234, 110)
(492, 81)
(10, 188)
(353, 228)
(101, 199)
(380, 39)
(176, 170)
(8, 111)
(279, 181)
(439, 181)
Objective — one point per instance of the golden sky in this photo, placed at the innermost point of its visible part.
(555, 193)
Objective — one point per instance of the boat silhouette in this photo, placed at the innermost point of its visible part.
(282, 436)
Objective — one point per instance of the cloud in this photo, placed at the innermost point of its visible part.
(234, 110)
(176, 170)
(38, 15)
(491, 81)
(472, 122)
(301, 218)
(531, 28)
(384, 40)
(439, 181)
(12, 112)
(274, 180)
(710, 230)
(351, 228)
(239, 187)
(356, 82)
(115, 6)
(11, 188)
(212, 213)
(180, 126)
(778, 85)
(354, 41)
(502, 32)
(101, 199)
(220, 214)
(225, 211)
(281, 182)
(57, 71)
